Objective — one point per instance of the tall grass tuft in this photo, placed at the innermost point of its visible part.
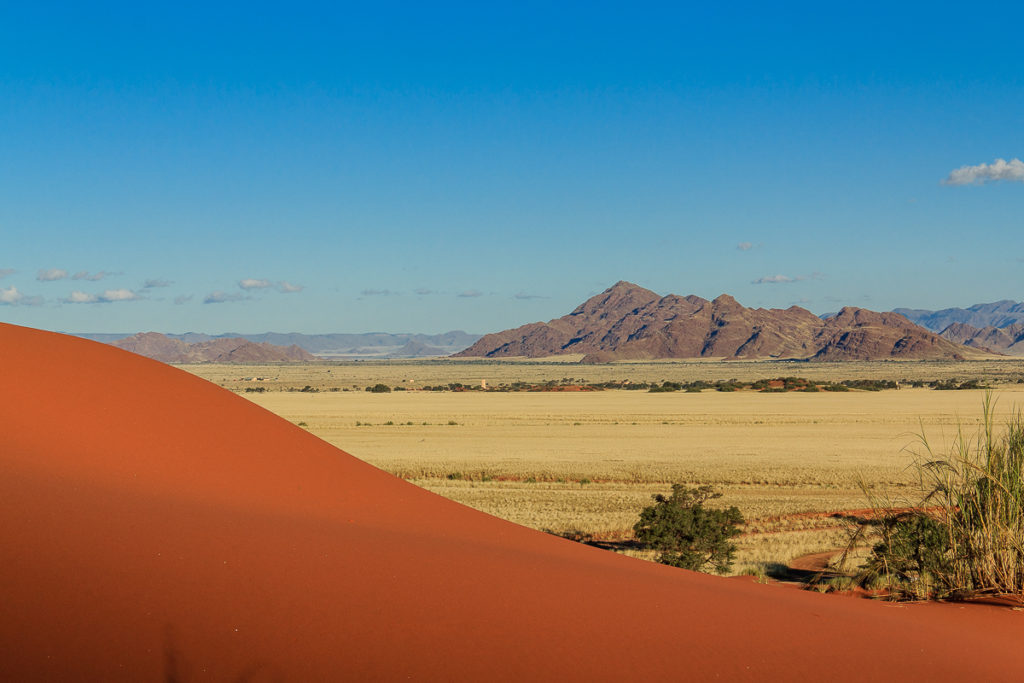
(966, 535)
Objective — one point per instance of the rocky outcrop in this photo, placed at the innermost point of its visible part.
(996, 314)
(1008, 340)
(629, 322)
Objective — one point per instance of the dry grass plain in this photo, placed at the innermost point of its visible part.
(587, 462)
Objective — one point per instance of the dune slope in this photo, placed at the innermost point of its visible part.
(156, 527)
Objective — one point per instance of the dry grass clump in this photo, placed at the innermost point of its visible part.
(966, 535)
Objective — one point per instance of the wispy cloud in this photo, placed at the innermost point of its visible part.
(108, 297)
(746, 246)
(773, 280)
(4, 272)
(378, 292)
(220, 297)
(423, 291)
(1000, 169)
(252, 283)
(51, 274)
(470, 294)
(153, 284)
(783, 279)
(182, 299)
(85, 275)
(524, 296)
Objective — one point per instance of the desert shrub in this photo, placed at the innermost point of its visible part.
(688, 534)
(966, 535)
(870, 384)
(379, 389)
(953, 385)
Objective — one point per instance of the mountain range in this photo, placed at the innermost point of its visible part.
(337, 346)
(230, 350)
(998, 326)
(1008, 339)
(629, 322)
(998, 314)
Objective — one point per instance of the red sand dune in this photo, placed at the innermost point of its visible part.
(155, 527)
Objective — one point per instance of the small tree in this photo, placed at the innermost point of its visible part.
(688, 534)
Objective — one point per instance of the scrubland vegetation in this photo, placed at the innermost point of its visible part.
(330, 376)
(965, 535)
(583, 464)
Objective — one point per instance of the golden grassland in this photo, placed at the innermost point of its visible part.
(585, 463)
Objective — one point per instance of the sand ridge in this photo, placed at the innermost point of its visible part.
(155, 524)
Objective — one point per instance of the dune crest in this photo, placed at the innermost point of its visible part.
(157, 527)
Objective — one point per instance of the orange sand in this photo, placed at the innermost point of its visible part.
(156, 527)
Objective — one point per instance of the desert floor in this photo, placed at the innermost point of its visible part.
(585, 463)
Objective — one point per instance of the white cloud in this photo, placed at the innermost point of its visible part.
(378, 292)
(423, 291)
(745, 246)
(77, 297)
(84, 275)
(288, 288)
(523, 296)
(10, 296)
(1000, 169)
(220, 297)
(4, 272)
(51, 274)
(108, 297)
(182, 299)
(252, 283)
(119, 295)
(773, 280)
(151, 284)
(471, 294)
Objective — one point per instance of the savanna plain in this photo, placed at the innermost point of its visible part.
(582, 464)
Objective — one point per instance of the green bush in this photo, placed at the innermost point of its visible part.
(379, 389)
(966, 536)
(688, 534)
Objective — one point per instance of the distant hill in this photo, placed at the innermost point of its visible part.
(629, 322)
(340, 346)
(232, 350)
(1008, 340)
(997, 314)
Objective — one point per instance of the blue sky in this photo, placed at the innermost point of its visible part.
(426, 167)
